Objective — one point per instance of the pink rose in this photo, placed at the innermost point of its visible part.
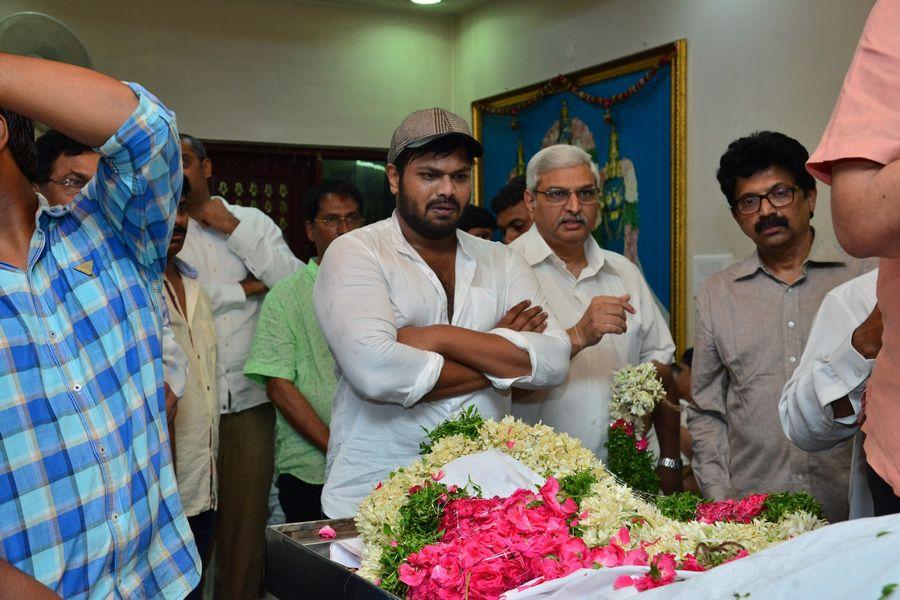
(438, 476)
(327, 533)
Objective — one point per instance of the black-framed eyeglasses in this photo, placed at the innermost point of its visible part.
(333, 222)
(72, 182)
(557, 196)
(778, 196)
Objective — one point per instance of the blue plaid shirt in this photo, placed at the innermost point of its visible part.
(88, 501)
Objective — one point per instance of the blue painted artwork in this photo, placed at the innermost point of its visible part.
(634, 153)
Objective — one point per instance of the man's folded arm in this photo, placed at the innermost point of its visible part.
(830, 371)
(354, 309)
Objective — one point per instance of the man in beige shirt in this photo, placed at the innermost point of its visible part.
(196, 425)
(752, 322)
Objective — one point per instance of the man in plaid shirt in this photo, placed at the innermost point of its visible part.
(88, 501)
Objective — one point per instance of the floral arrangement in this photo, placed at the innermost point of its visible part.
(425, 539)
(635, 392)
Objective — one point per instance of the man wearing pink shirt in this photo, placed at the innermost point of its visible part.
(859, 155)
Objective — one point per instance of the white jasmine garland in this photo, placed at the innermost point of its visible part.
(609, 506)
(635, 392)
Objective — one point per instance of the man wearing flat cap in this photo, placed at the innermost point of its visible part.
(424, 322)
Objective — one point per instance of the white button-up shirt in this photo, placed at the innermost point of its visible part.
(255, 247)
(580, 406)
(371, 283)
(830, 369)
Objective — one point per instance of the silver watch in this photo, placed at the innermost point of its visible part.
(670, 463)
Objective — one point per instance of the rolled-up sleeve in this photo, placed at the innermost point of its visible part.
(354, 309)
(138, 181)
(549, 351)
(706, 418)
(260, 244)
(829, 369)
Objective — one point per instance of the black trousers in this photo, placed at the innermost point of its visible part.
(884, 501)
(203, 526)
(299, 500)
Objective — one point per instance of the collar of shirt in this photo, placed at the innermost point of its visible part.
(184, 268)
(312, 267)
(822, 254)
(536, 250)
(465, 260)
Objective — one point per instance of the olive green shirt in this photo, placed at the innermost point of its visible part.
(289, 344)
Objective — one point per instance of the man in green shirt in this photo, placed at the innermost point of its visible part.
(291, 358)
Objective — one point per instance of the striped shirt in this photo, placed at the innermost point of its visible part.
(88, 501)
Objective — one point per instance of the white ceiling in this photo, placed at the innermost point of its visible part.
(445, 7)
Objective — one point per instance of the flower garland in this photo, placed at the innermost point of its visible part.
(425, 539)
(635, 392)
(563, 82)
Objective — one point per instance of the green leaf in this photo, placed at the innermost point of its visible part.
(887, 591)
(633, 467)
(777, 506)
(466, 423)
(881, 533)
(681, 506)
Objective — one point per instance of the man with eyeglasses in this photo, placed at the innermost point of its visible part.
(751, 326)
(291, 358)
(239, 254)
(599, 295)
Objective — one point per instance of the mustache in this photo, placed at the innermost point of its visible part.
(444, 200)
(179, 231)
(576, 218)
(772, 220)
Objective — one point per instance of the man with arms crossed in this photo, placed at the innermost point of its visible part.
(410, 308)
(88, 501)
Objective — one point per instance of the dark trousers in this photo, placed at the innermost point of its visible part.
(203, 526)
(299, 500)
(884, 501)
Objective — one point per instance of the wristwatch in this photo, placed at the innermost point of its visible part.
(670, 463)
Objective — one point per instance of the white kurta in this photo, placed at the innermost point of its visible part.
(255, 247)
(580, 406)
(371, 283)
(829, 369)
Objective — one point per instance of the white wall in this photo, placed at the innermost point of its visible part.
(752, 64)
(309, 73)
(268, 70)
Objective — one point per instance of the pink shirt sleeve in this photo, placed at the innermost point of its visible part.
(866, 119)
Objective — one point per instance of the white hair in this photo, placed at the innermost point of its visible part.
(559, 156)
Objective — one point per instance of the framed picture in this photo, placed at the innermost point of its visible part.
(629, 114)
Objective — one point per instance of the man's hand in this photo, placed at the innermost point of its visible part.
(214, 214)
(171, 404)
(605, 314)
(522, 318)
(866, 338)
(253, 286)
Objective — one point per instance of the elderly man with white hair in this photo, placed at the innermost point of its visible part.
(599, 296)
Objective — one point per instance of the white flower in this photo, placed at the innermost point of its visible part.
(635, 392)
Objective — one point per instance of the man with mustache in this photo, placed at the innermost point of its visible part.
(195, 441)
(751, 326)
(599, 295)
(424, 321)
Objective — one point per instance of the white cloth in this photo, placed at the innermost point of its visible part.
(371, 283)
(852, 559)
(255, 247)
(496, 473)
(580, 406)
(830, 369)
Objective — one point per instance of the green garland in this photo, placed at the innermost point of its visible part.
(634, 467)
(466, 423)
